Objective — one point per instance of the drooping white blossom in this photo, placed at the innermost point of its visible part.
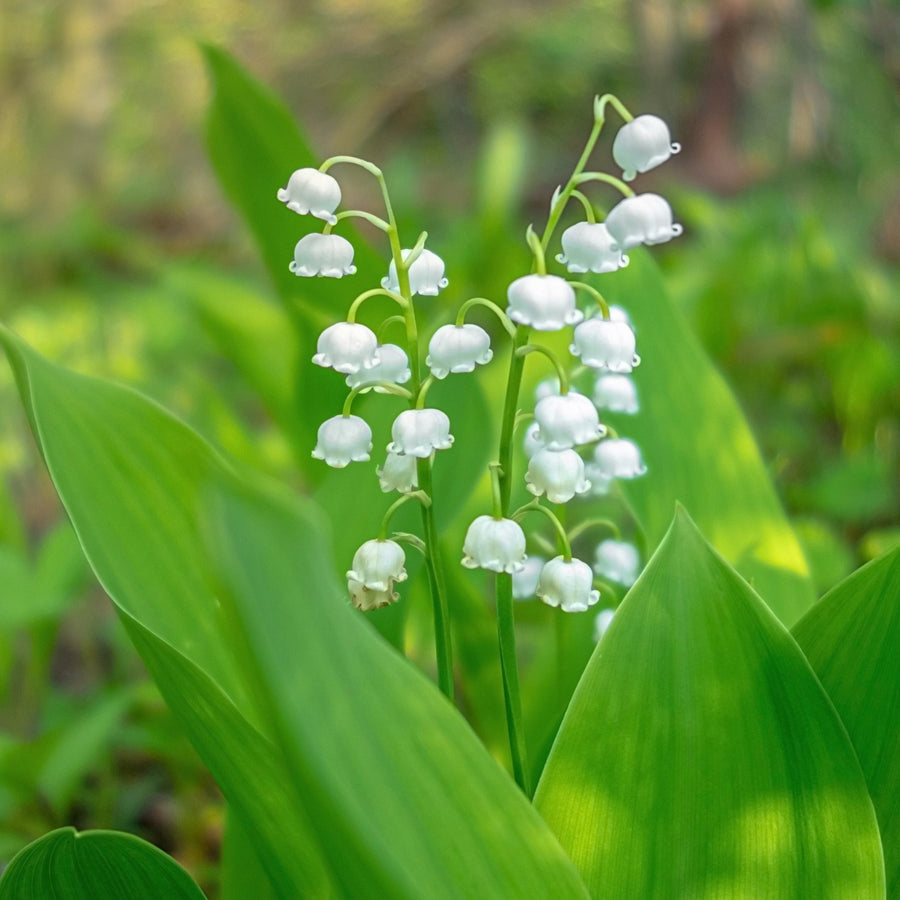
(311, 191)
(458, 348)
(532, 442)
(399, 473)
(546, 388)
(426, 275)
(642, 144)
(565, 420)
(618, 458)
(616, 393)
(602, 622)
(347, 347)
(544, 302)
(557, 473)
(328, 255)
(392, 366)
(605, 345)
(642, 219)
(589, 247)
(419, 432)
(377, 566)
(617, 560)
(342, 440)
(525, 580)
(567, 584)
(494, 544)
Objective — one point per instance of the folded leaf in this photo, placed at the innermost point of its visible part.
(852, 640)
(701, 758)
(68, 865)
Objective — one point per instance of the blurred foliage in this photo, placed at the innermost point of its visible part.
(112, 224)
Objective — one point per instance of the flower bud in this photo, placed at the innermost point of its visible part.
(589, 247)
(545, 302)
(557, 473)
(458, 348)
(567, 585)
(311, 191)
(347, 347)
(494, 544)
(328, 255)
(392, 365)
(618, 561)
(642, 144)
(616, 393)
(426, 275)
(566, 420)
(605, 345)
(419, 432)
(342, 440)
(644, 219)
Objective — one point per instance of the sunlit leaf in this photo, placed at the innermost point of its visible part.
(700, 756)
(852, 640)
(68, 865)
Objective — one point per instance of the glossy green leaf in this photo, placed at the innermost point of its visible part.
(242, 873)
(701, 758)
(371, 794)
(852, 640)
(406, 800)
(699, 449)
(68, 865)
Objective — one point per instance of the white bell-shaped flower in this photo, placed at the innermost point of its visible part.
(605, 345)
(642, 144)
(532, 442)
(602, 622)
(347, 347)
(545, 302)
(426, 275)
(557, 473)
(392, 366)
(567, 584)
(377, 566)
(619, 314)
(524, 581)
(494, 544)
(565, 420)
(616, 393)
(342, 440)
(458, 348)
(314, 192)
(328, 255)
(399, 473)
(589, 247)
(546, 388)
(419, 432)
(643, 219)
(601, 483)
(618, 458)
(618, 561)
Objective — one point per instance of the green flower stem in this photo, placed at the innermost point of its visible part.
(562, 537)
(537, 248)
(375, 292)
(582, 527)
(560, 369)
(496, 472)
(423, 391)
(588, 206)
(600, 104)
(442, 640)
(371, 168)
(357, 214)
(348, 403)
(421, 496)
(503, 318)
(606, 179)
(509, 667)
(508, 420)
(390, 320)
(588, 289)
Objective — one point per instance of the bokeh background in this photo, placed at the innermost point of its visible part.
(788, 187)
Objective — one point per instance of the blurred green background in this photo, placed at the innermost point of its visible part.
(788, 187)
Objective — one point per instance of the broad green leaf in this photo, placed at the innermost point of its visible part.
(852, 640)
(130, 477)
(376, 755)
(406, 800)
(68, 865)
(699, 449)
(701, 758)
(242, 873)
